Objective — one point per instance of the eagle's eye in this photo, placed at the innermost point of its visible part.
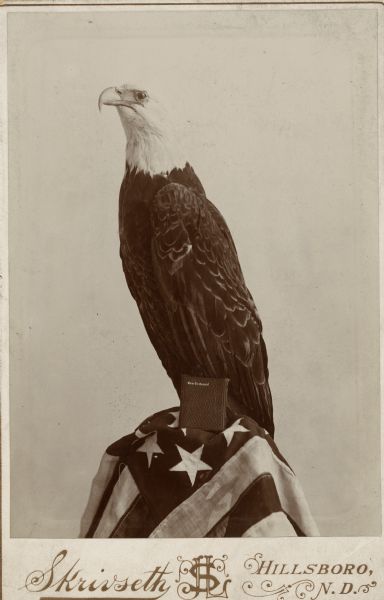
(141, 96)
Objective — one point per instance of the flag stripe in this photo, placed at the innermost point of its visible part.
(124, 493)
(219, 529)
(274, 525)
(99, 483)
(255, 504)
(137, 521)
(295, 526)
(104, 500)
(277, 452)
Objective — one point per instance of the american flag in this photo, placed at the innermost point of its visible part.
(163, 481)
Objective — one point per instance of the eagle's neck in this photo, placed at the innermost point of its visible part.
(151, 154)
(151, 150)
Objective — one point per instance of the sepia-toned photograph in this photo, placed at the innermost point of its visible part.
(194, 310)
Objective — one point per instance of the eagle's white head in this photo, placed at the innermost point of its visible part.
(152, 145)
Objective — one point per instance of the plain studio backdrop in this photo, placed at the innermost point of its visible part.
(280, 115)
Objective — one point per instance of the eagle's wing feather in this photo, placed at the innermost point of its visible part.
(214, 321)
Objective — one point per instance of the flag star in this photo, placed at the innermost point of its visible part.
(234, 428)
(184, 430)
(140, 434)
(175, 415)
(150, 447)
(191, 463)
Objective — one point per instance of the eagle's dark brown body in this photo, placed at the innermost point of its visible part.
(183, 271)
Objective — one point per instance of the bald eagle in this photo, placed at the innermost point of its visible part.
(181, 264)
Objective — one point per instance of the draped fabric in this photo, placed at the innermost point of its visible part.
(163, 481)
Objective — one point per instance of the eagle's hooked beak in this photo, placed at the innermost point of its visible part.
(110, 96)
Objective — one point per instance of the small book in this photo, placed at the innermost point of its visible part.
(203, 403)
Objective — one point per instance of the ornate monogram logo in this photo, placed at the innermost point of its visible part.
(207, 576)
